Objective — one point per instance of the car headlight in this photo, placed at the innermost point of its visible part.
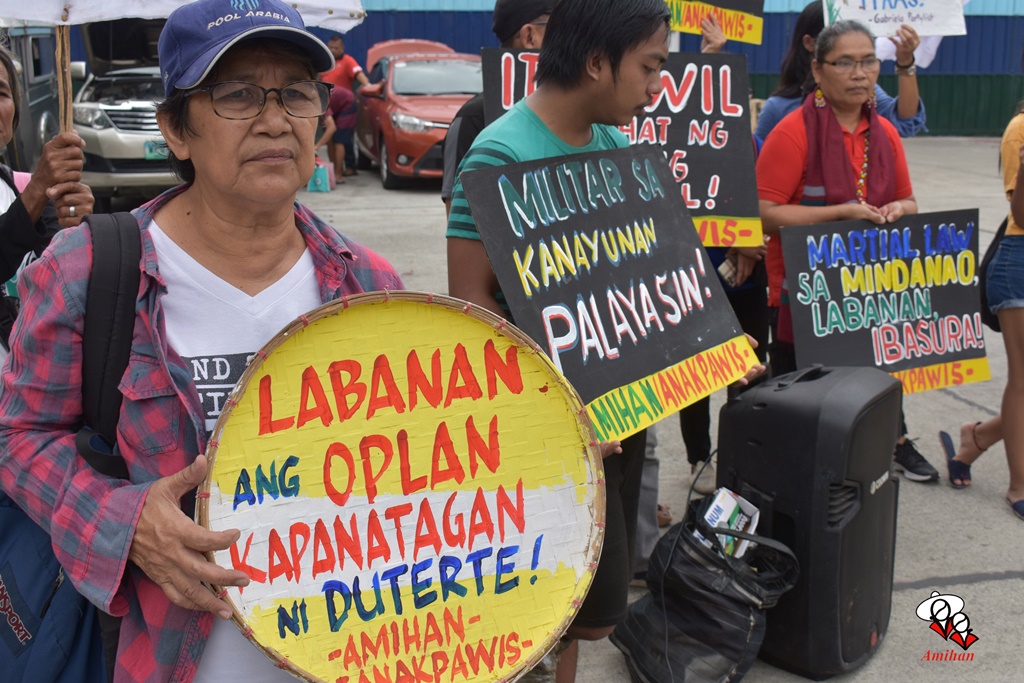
(93, 117)
(412, 124)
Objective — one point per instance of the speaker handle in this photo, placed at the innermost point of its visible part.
(813, 372)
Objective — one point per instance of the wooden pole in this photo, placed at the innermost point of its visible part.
(64, 77)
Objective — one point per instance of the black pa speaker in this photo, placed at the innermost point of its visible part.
(813, 450)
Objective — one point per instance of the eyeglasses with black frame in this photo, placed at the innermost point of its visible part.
(239, 100)
(846, 66)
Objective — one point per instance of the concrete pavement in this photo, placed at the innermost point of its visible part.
(964, 542)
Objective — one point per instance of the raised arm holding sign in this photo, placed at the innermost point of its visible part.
(741, 20)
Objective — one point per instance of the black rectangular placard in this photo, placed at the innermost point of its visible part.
(601, 265)
(701, 118)
(902, 297)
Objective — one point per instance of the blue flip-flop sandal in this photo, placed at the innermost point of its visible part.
(1018, 507)
(958, 471)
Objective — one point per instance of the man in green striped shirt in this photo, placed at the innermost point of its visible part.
(600, 66)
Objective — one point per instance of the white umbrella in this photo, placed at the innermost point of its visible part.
(339, 15)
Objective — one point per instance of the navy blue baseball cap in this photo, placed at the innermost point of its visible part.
(196, 35)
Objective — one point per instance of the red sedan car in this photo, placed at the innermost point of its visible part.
(416, 88)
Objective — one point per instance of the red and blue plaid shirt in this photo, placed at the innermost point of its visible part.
(91, 518)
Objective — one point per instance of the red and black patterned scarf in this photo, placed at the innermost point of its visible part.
(830, 177)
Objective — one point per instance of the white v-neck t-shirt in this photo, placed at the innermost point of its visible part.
(216, 328)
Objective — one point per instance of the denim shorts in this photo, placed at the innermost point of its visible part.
(1005, 280)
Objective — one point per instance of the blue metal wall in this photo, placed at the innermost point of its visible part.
(463, 31)
(993, 44)
(971, 88)
(988, 58)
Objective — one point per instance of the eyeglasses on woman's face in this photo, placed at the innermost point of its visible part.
(238, 100)
(847, 66)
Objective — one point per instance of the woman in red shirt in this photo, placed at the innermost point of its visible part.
(833, 159)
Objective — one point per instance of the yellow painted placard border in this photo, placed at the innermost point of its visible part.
(942, 375)
(748, 231)
(636, 406)
(738, 26)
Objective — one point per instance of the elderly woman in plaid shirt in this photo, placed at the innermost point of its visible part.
(228, 258)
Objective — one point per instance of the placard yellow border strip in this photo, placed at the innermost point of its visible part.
(628, 409)
(942, 375)
(739, 26)
(729, 231)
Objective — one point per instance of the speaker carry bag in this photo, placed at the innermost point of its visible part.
(703, 617)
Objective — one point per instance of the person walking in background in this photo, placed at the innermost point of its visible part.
(346, 74)
(1005, 292)
(835, 158)
(342, 109)
(905, 111)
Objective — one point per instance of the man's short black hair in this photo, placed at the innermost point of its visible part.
(579, 28)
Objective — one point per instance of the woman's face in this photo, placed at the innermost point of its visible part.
(845, 86)
(263, 160)
(6, 108)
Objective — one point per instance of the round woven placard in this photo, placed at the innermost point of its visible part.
(418, 492)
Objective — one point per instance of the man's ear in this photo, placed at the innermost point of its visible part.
(530, 37)
(597, 62)
(176, 141)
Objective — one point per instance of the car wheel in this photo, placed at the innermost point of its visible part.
(387, 178)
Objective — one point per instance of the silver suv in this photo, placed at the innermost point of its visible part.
(115, 113)
(115, 110)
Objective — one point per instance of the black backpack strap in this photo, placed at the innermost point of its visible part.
(107, 340)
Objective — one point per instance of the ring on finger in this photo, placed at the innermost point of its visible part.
(71, 211)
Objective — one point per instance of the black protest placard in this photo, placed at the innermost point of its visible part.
(902, 297)
(600, 264)
(741, 20)
(508, 78)
(701, 118)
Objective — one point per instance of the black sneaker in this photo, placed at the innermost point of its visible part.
(912, 463)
